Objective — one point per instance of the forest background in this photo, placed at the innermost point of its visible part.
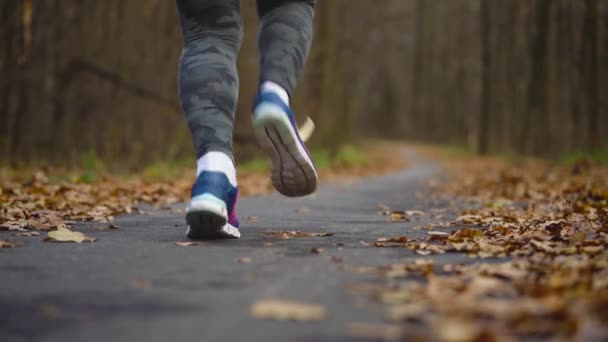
(84, 80)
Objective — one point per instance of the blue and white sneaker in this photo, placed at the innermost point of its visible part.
(212, 210)
(293, 173)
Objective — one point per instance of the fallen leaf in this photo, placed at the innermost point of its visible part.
(13, 226)
(284, 310)
(407, 311)
(472, 219)
(317, 250)
(66, 235)
(303, 210)
(28, 233)
(244, 260)
(9, 244)
(399, 241)
(457, 330)
(295, 234)
(395, 239)
(398, 216)
(187, 243)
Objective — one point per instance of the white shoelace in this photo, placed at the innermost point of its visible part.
(306, 129)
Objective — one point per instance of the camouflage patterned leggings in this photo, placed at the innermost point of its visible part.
(208, 79)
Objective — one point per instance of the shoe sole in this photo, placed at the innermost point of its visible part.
(293, 173)
(207, 220)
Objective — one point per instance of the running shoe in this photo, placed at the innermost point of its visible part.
(212, 210)
(293, 173)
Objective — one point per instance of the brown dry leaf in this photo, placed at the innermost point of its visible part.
(408, 311)
(471, 219)
(434, 233)
(244, 260)
(413, 213)
(322, 234)
(29, 233)
(317, 250)
(459, 330)
(303, 210)
(399, 239)
(14, 226)
(66, 235)
(9, 244)
(295, 234)
(283, 310)
(464, 234)
(399, 215)
(187, 243)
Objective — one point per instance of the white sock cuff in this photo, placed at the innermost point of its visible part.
(269, 86)
(217, 162)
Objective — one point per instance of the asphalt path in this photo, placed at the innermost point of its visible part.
(135, 283)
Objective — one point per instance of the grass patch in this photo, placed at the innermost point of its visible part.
(258, 164)
(347, 155)
(165, 170)
(91, 169)
(599, 156)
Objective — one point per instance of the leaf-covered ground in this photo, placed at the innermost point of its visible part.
(536, 238)
(33, 201)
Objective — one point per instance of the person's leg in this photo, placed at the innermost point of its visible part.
(208, 79)
(208, 89)
(286, 29)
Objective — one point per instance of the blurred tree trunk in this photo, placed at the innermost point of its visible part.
(486, 83)
(418, 66)
(537, 86)
(335, 120)
(591, 69)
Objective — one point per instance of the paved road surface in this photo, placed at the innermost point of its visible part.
(136, 284)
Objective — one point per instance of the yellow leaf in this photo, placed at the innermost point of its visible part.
(66, 235)
(187, 243)
(283, 310)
